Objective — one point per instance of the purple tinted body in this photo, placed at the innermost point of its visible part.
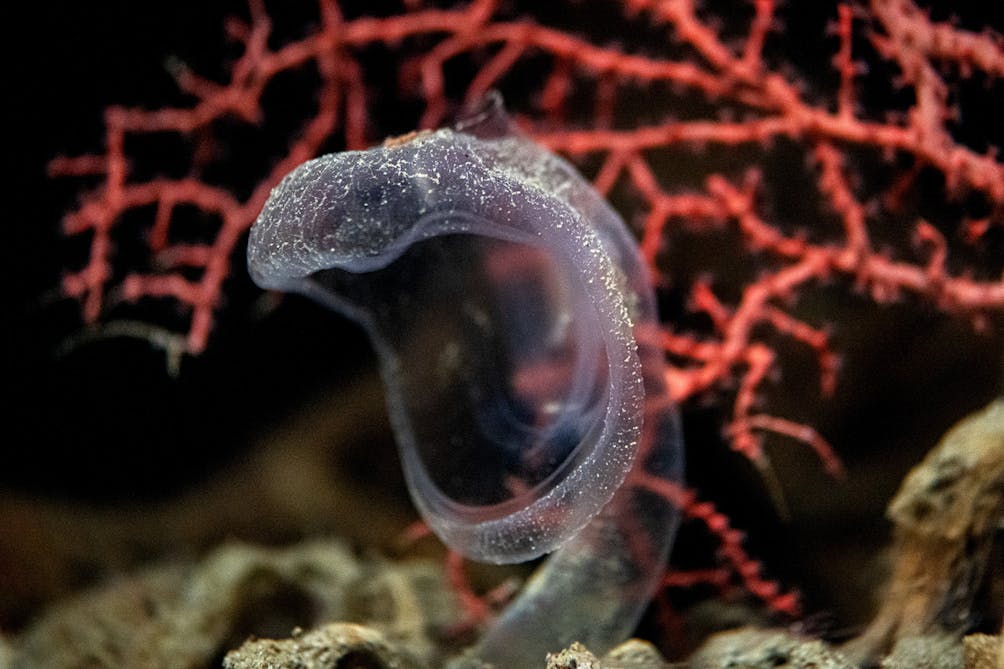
(513, 319)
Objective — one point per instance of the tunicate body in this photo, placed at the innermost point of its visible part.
(513, 319)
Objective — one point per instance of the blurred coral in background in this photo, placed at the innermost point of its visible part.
(713, 85)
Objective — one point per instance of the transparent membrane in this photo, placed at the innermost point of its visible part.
(513, 319)
(500, 378)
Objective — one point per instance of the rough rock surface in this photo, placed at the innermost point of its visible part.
(191, 615)
(750, 648)
(334, 646)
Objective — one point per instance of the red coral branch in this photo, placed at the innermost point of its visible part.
(748, 570)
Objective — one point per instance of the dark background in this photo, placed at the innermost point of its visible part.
(104, 422)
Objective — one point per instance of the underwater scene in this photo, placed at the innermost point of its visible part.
(620, 334)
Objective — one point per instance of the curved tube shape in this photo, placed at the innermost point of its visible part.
(513, 319)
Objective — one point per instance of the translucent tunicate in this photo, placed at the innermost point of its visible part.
(513, 319)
